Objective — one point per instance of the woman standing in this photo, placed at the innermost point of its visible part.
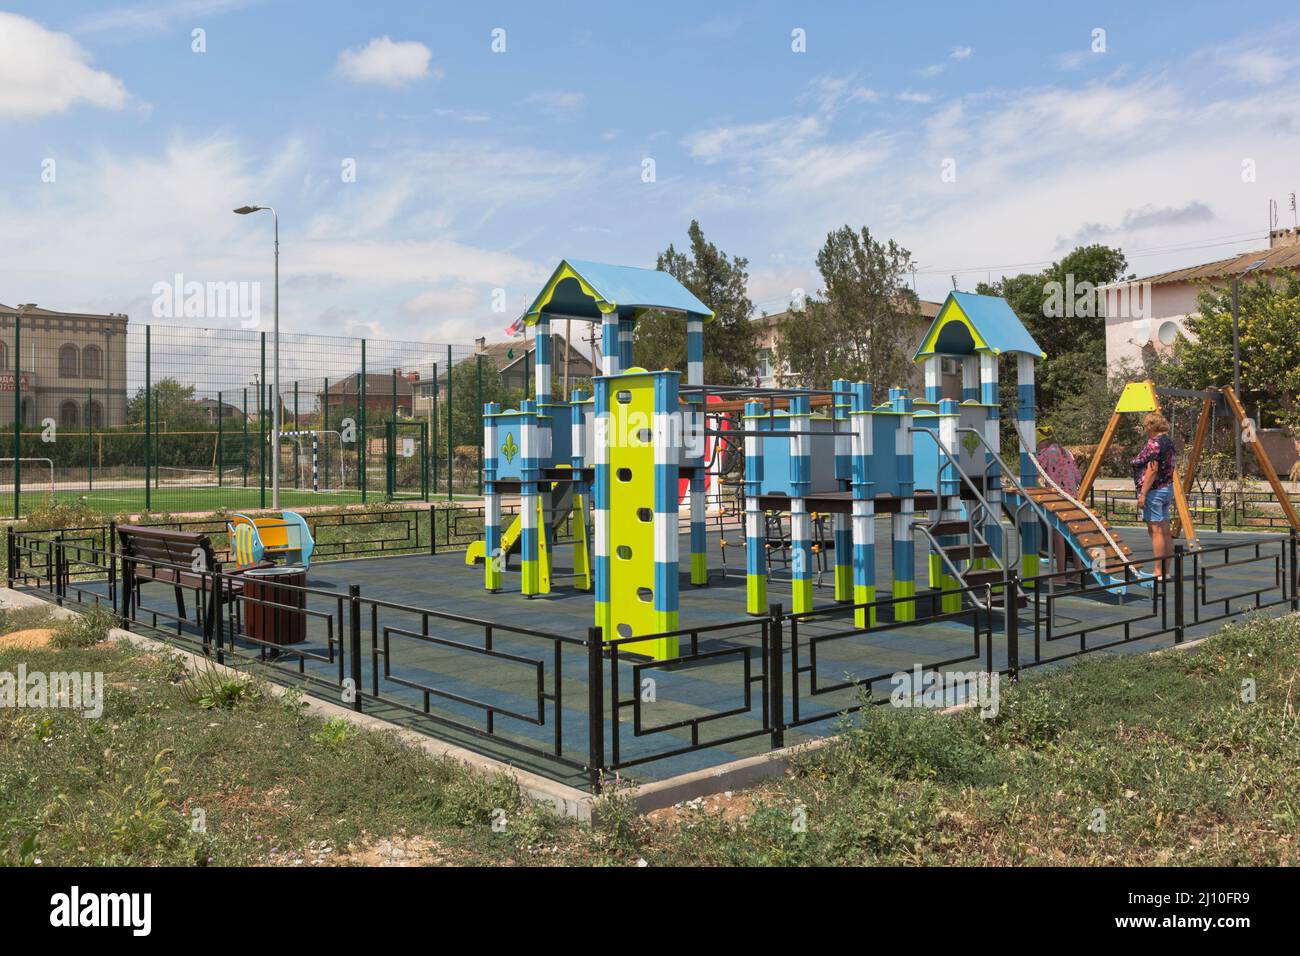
(1153, 475)
(1059, 465)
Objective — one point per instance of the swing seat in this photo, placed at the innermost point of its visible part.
(268, 537)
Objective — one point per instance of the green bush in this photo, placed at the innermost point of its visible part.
(86, 629)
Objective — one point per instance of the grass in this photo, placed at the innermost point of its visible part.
(1181, 758)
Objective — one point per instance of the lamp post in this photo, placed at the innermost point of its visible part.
(275, 359)
(1236, 357)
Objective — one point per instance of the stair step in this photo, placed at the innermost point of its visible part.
(942, 529)
(977, 578)
(1022, 600)
(967, 552)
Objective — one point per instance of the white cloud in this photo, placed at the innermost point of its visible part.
(934, 69)
(1259, 66)
(154, 17)
(44, 72)
(908, 96)
(386, 62)
(559, 103)
(960, 53)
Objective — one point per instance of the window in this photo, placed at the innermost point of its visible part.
(4, 357)
(765, 363)
(69, 362)
(68, 415)
(92, 362)
(94, 414)
(28, 412)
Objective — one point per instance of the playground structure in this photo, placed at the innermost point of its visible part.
(626, 447)
(264, 537)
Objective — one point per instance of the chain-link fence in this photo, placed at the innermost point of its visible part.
(127, 418)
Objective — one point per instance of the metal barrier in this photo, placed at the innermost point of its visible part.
(581, 703)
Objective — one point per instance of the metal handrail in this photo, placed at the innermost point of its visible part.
(988, 508)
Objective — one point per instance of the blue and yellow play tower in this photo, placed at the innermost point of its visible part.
(826, 464)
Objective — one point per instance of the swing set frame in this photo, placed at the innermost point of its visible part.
(1143, 397)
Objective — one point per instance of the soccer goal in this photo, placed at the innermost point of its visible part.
(317, 459)
(32, 472)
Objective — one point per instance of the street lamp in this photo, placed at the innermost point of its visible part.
(275, 359)
(1236, 356)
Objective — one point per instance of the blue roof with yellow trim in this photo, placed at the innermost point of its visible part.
(968, 323)
(589, 290)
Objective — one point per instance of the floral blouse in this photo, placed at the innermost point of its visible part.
(1060, 467)
(1160, 450)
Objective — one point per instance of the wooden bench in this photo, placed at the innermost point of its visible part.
(183, 559)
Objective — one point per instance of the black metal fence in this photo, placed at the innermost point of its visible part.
(584, 707)
(1215, 508)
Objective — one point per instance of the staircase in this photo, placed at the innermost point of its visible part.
(1088, 534)
(971, 562)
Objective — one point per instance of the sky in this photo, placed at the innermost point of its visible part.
(432, 163)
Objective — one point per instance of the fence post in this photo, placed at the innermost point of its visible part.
(363, 466)
(595, 709)
(451, 463)
(9, 555)
(433, 529)
(1011, 596)
(354, 642)
(776, 675)
(1179, 628)
(111, 546)
(212, 626)
(18, 412)
(1295, 571)
(261, 428)
(148, 415)
(58, 569)
(1218, 510)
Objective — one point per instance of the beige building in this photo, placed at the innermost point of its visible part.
(770, 376)
(1149, 315)
(72, 367)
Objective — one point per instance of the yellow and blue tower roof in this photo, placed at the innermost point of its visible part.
(590, 290)
(968, 323)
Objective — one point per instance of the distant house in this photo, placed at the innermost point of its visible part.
(211, 408)
(1147, 316)
(514, 360)
(771, 376)
(73, 367)
(345, 393)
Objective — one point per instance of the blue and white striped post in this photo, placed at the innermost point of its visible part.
(577, 460)
(609, 347)
(801, 555)
(755, 543)
(970, 378)
(696, 445)
(904, 549)
(493, 560)
(667, 453)
(841, 405)
(625, 344)
(949, 503)
(990, 397)
(542, 387)
(862, 448)
(933, 379)
(600, 505)
(1028, 474)
(529, 498)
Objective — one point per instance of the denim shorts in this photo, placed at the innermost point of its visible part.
(1157, 506)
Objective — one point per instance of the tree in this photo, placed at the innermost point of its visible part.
(730, 340)
(173, 406)
(466, 403)
(1269, 333)
(859, 326)
(1061, 309)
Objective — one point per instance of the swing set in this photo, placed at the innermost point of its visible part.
(1144, 397)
